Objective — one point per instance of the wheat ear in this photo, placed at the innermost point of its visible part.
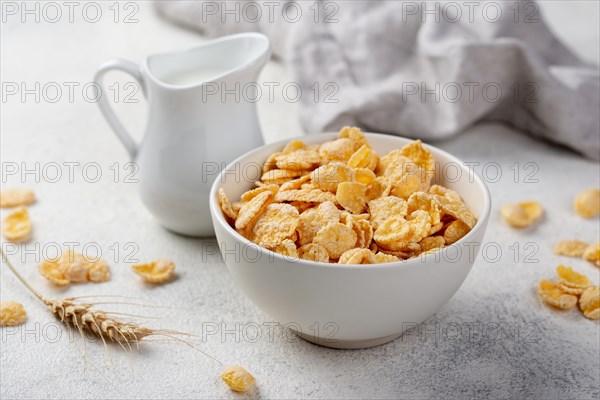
(98, 323)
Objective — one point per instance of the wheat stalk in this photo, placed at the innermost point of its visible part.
(98, 323)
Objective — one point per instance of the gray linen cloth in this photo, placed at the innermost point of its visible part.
(419, 69)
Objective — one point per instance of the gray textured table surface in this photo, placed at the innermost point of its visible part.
(493, 339)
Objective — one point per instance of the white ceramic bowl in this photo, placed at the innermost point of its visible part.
(349, 306)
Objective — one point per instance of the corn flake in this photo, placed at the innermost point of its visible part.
(413, 180)
(522, 214)
(250, 194)
(270, 163)
(251, 210)
(419, 155)
(287, 248)
(364, 176)
(156, 272)
(533, 209)
(394, 164)
(312, 220)
(352, 196)
(364, 157)
(226, 206)
(12, 313)
(279, 222)
(236, 206)
(337, 150)
(593, 314)
(52, 272)
(382, 258)
(515, 216)
(294, 184)
(570, 278)
(380, 187)
(308, 186)
(293, 146)
(432, 243)
(17, 226)
(313, 252)
(570, 290)
(75, 271)
(336, 238)
(457, 210)
(98, 272)
(16, 197)
(357, 256)
(405, 251)
(589, 302)
(363, 230)
(450, 194)
(587, 203)
(426, 202)
(396, 232)
(355, 135)
(279, 176)
(553, 295)
(570, 248)
(455, 231)
(386, 207)
(437, 227)
(298, 160)
(592, 253)
(301, 206)
(328, 177)
(237, 378)
(307, 195)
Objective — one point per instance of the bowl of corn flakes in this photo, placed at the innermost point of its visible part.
(350, 238)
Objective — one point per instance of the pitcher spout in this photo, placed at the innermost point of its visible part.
(240, 57)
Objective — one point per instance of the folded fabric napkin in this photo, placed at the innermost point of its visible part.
(419, 69)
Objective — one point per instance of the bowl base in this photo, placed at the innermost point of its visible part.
(347, 344)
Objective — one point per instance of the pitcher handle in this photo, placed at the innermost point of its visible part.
(134, 70)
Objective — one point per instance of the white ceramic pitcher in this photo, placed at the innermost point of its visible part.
(198, 121)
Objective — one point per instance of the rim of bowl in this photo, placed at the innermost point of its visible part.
(214, 206)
